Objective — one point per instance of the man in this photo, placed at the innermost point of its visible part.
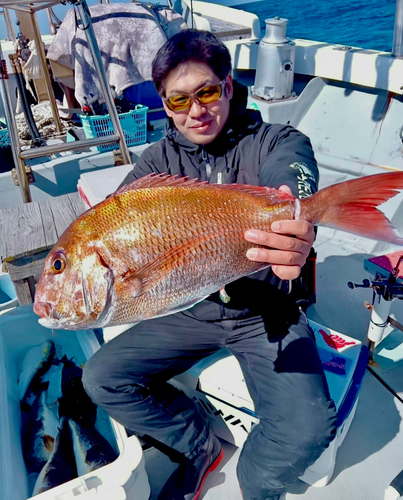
(129, 36)
(214, 137)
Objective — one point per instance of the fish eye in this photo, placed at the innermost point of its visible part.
(59, 263)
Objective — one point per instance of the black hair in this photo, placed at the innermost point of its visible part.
(190, 45)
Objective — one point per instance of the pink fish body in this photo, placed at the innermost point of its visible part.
(162, 244)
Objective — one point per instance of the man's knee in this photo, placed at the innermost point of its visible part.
(93, 380)
(318, 430)
(106, 385)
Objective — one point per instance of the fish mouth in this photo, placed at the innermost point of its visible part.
(43, 309)
(52, 324)
(48, 318)
(61, 324)
(49, 323)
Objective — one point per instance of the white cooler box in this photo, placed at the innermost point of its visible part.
(95, 186)
(123, 479)
(217, 384)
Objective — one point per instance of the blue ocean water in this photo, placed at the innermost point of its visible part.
(360, 23)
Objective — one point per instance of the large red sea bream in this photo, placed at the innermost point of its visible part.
(161, 244)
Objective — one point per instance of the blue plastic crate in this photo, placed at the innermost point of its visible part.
(134, 125)
(4, 135)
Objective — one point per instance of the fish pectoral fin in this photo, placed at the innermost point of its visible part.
(134, 285)
(147, 277)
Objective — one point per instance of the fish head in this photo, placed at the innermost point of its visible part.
(76, 289)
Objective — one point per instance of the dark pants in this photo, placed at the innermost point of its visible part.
(128, 378)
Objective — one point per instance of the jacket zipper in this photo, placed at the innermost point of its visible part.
(207, 163)
(208, 175)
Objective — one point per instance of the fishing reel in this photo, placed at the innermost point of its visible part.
(386, 287)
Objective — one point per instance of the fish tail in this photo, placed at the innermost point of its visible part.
(352, 206)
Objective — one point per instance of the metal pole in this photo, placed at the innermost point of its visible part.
(21, 8)
(67, 146)
(9, 24)
(44, 5)
(54, 21)
(12, 5)
(52, 27)
(397, 49)
(13, 132)
(85, 17)
(46, 77)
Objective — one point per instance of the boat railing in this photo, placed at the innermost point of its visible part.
(397, 49)
(19, 156)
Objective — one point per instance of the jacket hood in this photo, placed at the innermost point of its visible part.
(241, 122)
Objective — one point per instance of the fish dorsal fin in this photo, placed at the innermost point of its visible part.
(268, 193)
(166, 180)
(159, 180)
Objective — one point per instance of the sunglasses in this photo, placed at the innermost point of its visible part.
(205, 95)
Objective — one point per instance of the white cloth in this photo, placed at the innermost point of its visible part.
(32, 68)
(128, 36)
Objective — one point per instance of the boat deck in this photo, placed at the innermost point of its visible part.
(372, 452)
(368, 460)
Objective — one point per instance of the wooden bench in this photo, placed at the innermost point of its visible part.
(27, 233)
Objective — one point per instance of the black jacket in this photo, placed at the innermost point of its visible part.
(247, 151)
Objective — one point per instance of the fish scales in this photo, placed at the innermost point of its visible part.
(162, 244)
(172, 216)
(206, 228)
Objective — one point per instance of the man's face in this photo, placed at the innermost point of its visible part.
(200, 123)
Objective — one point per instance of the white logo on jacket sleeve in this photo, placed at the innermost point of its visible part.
(305, 178)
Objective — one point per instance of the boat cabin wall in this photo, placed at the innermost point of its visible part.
(352, 129)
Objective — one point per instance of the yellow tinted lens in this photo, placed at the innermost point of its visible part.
(209, 94)
(206, 95)
(178, 102)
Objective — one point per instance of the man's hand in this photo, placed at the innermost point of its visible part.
(288, 245)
